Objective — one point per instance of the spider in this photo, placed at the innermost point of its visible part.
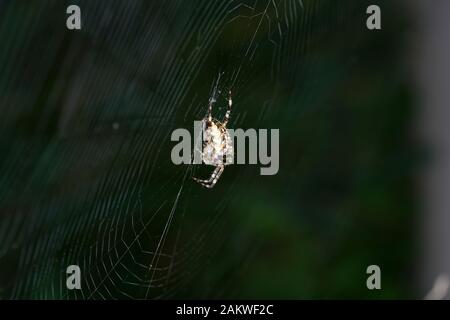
(217, 144)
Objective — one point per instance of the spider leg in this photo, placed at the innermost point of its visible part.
(212, 100)
(230, 104)
(213, 178)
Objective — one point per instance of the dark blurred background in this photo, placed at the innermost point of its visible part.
(87, 179)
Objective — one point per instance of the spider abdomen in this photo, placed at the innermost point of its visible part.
(217, 145)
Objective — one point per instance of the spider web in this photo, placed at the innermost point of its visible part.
(86, 173)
